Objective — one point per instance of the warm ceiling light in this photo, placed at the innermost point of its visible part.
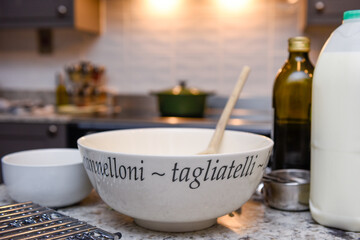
(292, 1)
(232, 5)
(163, 5)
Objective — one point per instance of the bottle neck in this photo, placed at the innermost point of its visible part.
(298, 56)
(351, 20)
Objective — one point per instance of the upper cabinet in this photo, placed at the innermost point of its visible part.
(86, 15)
(327, 12)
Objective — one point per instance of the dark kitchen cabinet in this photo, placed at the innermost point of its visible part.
(328, 12)
(36, 13)
(24, 136)
(84, 15)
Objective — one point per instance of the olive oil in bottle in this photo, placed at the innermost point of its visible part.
(292, 108)
(62, 97)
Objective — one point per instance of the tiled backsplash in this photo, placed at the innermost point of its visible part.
(143, 50)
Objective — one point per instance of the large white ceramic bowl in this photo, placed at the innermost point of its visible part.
(155, 175)
(49, 177)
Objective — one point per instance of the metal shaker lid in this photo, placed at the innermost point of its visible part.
(299, 44)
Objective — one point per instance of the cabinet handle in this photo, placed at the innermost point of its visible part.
(52, 130)
(319, 6)
(62, 10)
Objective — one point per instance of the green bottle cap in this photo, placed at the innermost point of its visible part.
(352, 14)
(299, 44)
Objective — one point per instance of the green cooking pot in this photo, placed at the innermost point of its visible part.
(181, 101)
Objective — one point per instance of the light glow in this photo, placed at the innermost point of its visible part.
(163, 6)
(172, 120)
(237, 121)
(292, 1)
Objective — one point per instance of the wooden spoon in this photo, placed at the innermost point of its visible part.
(216, 139)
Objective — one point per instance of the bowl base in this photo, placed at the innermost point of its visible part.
(175, 226)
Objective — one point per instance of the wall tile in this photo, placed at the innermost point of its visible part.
(145, 50)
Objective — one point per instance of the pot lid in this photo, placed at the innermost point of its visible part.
(182, 89)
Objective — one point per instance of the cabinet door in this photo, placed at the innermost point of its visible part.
(328, 12)
(36, 13)
(23, 136)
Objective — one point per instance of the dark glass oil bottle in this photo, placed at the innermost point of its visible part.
(292, 108)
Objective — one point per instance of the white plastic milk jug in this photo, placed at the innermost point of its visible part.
(335, 129)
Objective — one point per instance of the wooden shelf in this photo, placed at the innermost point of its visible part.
(89, 15)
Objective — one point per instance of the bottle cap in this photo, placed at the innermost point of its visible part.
(352, 14)
(299, 44)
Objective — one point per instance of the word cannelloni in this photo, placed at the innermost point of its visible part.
(111, 168)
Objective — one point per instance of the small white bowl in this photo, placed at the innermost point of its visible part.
(49, 177)
(155, 175)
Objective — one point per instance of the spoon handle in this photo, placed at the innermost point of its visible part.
(224, 118)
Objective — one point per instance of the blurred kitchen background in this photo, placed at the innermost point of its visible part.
(145, 46)
(151, 44)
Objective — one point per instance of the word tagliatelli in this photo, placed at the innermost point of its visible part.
(212, 170)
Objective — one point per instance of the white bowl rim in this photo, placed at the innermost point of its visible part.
(269, 141)
(6, 159)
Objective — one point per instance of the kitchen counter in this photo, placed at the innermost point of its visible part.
(258, 123)
(21, 122)
(39, 106)
(253, 221)
(141, 111)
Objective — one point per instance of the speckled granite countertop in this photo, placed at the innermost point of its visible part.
(253, 221)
